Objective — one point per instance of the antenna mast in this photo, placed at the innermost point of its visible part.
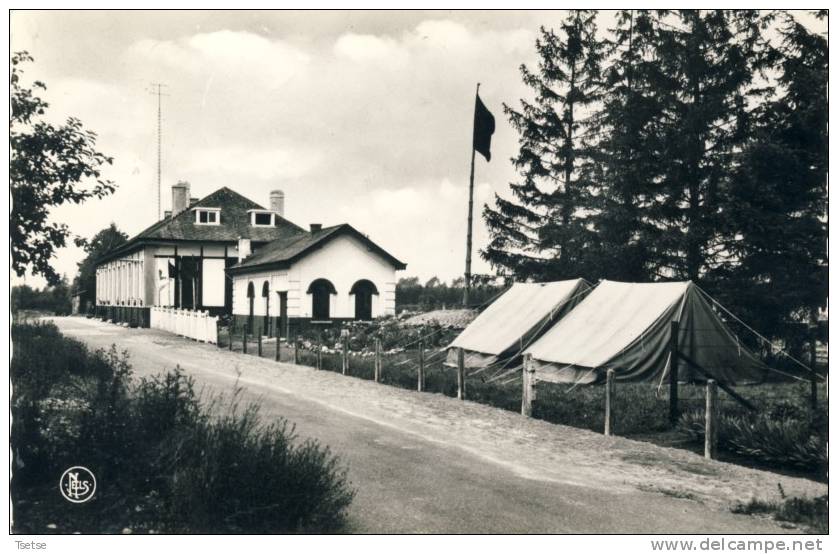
(157, 89)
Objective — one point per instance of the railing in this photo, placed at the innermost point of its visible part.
(186, 323)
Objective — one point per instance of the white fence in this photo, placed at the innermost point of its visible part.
(186, 323)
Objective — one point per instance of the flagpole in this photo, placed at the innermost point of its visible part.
(467, 283)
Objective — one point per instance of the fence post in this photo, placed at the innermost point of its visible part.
(461, 372)
(244, 339)
(259, 343)
(711, 420)
(377, 362)
(813, 358)
(296, 350)
(673, 373)
(421, 378)
(609, 400)
(319, 355)
(345, 355)
(526, 390)
(278, 348)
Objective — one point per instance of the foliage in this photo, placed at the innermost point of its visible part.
(100, 244)
(543, 233)
(811, 512)
(689, 144)
(783, 435)
(48, 165)
(436, 294)
(55, 299)
(163, 460)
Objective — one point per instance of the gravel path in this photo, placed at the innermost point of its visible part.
(428, 463)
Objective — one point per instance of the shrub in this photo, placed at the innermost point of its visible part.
(810, 512)
(779, 438)
(164, 461)
(233, 473)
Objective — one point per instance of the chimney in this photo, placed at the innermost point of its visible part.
(244, 248)
(180, 197)
(278, 202)
(316, 227)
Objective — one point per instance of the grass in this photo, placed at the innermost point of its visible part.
(811, 513)
(164, 460)
(784, 438)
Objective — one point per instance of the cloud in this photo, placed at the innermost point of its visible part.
(370, 125)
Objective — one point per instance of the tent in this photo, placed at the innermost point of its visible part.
(627, 327)
(513, 320)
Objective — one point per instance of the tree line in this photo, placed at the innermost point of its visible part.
(675, 145)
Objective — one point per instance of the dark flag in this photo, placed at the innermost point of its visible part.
(172, 271)
(484, 127)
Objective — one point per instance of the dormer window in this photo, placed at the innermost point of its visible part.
(207, 216)
(262, 218)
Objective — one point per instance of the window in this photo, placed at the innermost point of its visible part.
(208, 216)
(363, 291)
(320, 291)
(261, 218)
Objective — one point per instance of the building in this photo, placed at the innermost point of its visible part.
(327, 275)
(187, 260)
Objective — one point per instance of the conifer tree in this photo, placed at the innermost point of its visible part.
(543, 232)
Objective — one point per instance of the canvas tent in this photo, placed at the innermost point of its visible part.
(626, 327)
(514, 320)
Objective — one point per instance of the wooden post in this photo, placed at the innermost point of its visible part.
(461, 372)
(230, 336)
(609, 399)
(421, 378)
(711, 420)
(377, 363)
(319, 355)
(278, 348)
(296, 351)
(673, 373)
(527, 383)
(345, 355)
(813, 358)
(259, 343)
(244, 340)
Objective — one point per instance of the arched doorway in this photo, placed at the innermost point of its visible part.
(266, 295)
(363, 291)
(250, 295)
(320, 291)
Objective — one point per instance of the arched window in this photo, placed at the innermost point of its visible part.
(363, 291)
(266, 291)
(250, 294)
(320, 289)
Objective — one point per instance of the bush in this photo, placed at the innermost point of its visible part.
(783, 437)
(810, 512)
(163, 460)
(236, 474)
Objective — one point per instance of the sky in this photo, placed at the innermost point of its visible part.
(359, 117)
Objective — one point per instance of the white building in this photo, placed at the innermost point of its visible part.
(326, 275)
(192, 257)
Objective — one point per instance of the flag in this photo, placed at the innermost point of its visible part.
(172, 271)
(484, 127)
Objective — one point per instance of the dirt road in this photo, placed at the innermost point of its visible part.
(428, 463)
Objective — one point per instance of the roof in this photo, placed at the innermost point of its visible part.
(517, 313)
(234, 224)
(283, 252)
(626, 327)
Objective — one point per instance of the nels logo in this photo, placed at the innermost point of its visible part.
(77, 484)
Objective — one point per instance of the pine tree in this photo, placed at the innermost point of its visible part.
(780, 193)
(709, 60)
(626, 158)
(543, 231)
